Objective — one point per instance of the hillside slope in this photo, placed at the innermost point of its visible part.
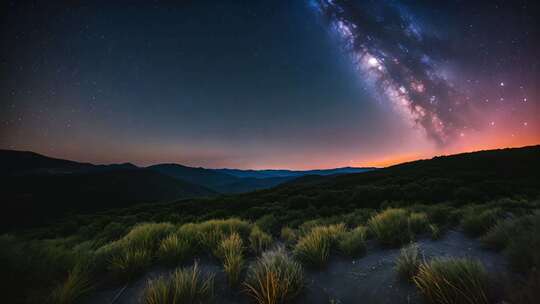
(217, 181)
(459, 179)
(36, 188)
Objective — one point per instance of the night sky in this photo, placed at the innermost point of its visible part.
(267, 84)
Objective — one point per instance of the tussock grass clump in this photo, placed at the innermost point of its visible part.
(147, 235)
(174, 249)
(418, 222)
(499, 236)
(476, 223)
(186, 285)
(452, 281)
(353, 243)
(442, 215)
(158, 291)
(523, 248)
(435, 231)
(391, 227)
(268, 223)
(505, 231)
(77, 285)
(275, 278)
(130, 262)
(259, 240)
(231, 252)
(314, 248)
(408, 261)
(133, 252)
(288, 235)
(212, 232)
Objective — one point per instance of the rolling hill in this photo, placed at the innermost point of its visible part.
(460, 179)
(216, 180)
(36, 188)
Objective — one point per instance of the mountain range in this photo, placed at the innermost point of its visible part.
(35, 184)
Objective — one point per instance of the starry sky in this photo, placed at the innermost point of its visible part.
(267, 84)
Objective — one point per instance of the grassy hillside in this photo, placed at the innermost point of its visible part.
(492, 194)
(458, 179)
(33, 200)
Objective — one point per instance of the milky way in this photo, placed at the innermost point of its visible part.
(402, 62)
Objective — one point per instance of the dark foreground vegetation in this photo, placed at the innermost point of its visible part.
(266, 240)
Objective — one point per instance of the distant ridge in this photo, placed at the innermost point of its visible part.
(292, 173)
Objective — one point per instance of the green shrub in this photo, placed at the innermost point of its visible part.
(174, 249)
(353, 243)
(453, 281)
(76, 286)
(231, 252)
(408, 261)
(288, 234)
(186, 285)
(314, 248)
(268, 223)
(275, 278)
(391, 227)
(476, 223)
(259, 240)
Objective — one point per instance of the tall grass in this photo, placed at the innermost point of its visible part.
(452, 281)
(391, 227)
(158, 291)
(147, 235)
(275, 278)
(314, 248)
(418, 222)
(135, 251)
(130, 262)
(435, 231)
(212, 232)
(523, 247)
(408, 261)
(476, 222)
(231, 252)
(186, 285)
(288, 235)
(504, 232)
(174, 249)
(77, 285)
(353, 243)
(259, 240)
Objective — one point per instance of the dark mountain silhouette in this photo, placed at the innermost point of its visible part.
(237, 181)
(466, 178)
(30, 163)
(218, 181)
(292, 173)
(36, 188)
(40, 188)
